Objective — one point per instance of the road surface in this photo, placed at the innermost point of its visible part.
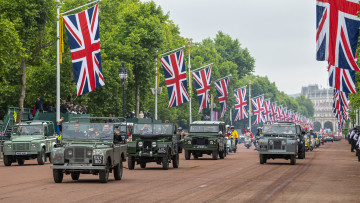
(328, 174)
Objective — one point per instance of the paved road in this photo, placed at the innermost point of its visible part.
(328, 174)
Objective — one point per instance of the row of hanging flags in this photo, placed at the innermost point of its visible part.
(337, 34)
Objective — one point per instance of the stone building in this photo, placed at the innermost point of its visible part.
(322, 98)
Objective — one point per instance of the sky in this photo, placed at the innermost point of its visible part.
(279, 34)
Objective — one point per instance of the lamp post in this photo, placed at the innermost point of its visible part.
(123, 76)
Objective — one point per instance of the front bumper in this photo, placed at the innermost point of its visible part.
(78, 167)
(20, 153)
(147, 154)
(200, 147)
(277, 152)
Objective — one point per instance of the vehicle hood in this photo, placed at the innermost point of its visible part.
(26, 138)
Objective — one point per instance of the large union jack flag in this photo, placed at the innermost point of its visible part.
(84, 39)
(337, 32)
(240, 105)
(267, 110)
(280, 114)
(259, 109)
(222, 88)
(342, 79)
(274, 114)
(202, 82)
(175, 76)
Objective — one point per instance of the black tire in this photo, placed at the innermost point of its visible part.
(75, 175)
(293, 160)
(131, 163)
(262, 159)
(118, 171)
(104, 174)
(215, 154)
(7, 160)
(196, 156)
(143, 165)
(221, 155)
(21, 162)
(165, 163)
(41, 157)
(187, 155)
(175, 161)
(58, 175)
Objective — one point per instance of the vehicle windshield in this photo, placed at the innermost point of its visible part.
(153, 129)
(27, 130)
(279, 129)
(90, 131)
(204, 129)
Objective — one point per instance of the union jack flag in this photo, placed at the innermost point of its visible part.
(175, 76)
(203, 81)
(285, 113)
(240, 104)
(267, 111)
(84, 39)
(222, 88)
(280, 115)
(342, 79)
(274, 112)
(337, 32)
(259, 109)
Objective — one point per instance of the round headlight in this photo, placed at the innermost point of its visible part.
(211, 142)
(89, 153)
(271, 142)
(70, 152)
(140, 144)
(283, 142)
(9, 145)
(33, 145)
(189, 141)
(153, 144)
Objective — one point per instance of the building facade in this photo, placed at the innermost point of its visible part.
(322, 98)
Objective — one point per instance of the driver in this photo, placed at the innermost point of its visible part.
(146, 129)
(287, 130)
(107, 131)
(77, 132)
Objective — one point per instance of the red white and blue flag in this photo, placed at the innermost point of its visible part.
(240, 105)
(84, 40)
(274, 114)
(280, 116)
(259, 109)
(222, 88)
(202, 80)
(337, 32)
(342, 79)
(267, 111)
(175, 76)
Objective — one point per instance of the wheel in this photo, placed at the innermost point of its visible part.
(187, 155)
(58, 175)
(221, 155)
(118, 171)
(143, 165)
(293, 160)
(262, 160)
(195, 156)
(215, 154)
(247, 146)
(21, 161)
(165, 163)
(75, 175)
(131, 163)
(104, 174)
(7, 160)
(175, 161)
(41, 157)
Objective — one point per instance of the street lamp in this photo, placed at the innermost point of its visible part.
(123, 76)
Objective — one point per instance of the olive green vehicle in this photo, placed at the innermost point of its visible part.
(90, 146)
(30, 140)
(205, 137)
(282, 140)
(154, 143)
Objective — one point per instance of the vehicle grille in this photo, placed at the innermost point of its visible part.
(21, 146)
(200, 141)
(147, 144)
(79, 154)
(277, 144)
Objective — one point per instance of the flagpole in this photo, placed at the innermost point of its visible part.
(166, 53)
(222, 78)
(58, 63)
(156, 88)
(203, 66)
(211, 107)
(190, 120)
(250, 105)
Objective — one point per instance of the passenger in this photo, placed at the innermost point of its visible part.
(107, 131)
(146, 129)
(288, 131)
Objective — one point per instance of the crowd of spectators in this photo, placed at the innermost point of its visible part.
(72, 108)
(142, 114)
(354, 141)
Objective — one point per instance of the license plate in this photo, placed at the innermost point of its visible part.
(20, 153)
(200, 146)
(161, 150)
(98, 161)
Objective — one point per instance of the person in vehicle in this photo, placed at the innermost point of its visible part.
(287, 131)
(76, 132)
(117, 136)
(107, 131)
(146, 129)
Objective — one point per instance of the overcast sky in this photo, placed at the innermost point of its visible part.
(280, 34)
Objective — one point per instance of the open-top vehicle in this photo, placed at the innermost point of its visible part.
(154, 142)
(90, 146)
(30, 140)
(206, 137)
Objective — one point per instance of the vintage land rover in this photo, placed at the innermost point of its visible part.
(154, 142)
(30, 140)
(90, 146)
(281, 140)
(205, 137)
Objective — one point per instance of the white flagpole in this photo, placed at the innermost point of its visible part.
(250, 104)
(156, 88)
(58, 63)
(190, 120)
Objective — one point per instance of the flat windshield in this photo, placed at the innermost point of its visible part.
(27, 130)
(90, 131)
(153, 129)
(279, 129)
(204, 129)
